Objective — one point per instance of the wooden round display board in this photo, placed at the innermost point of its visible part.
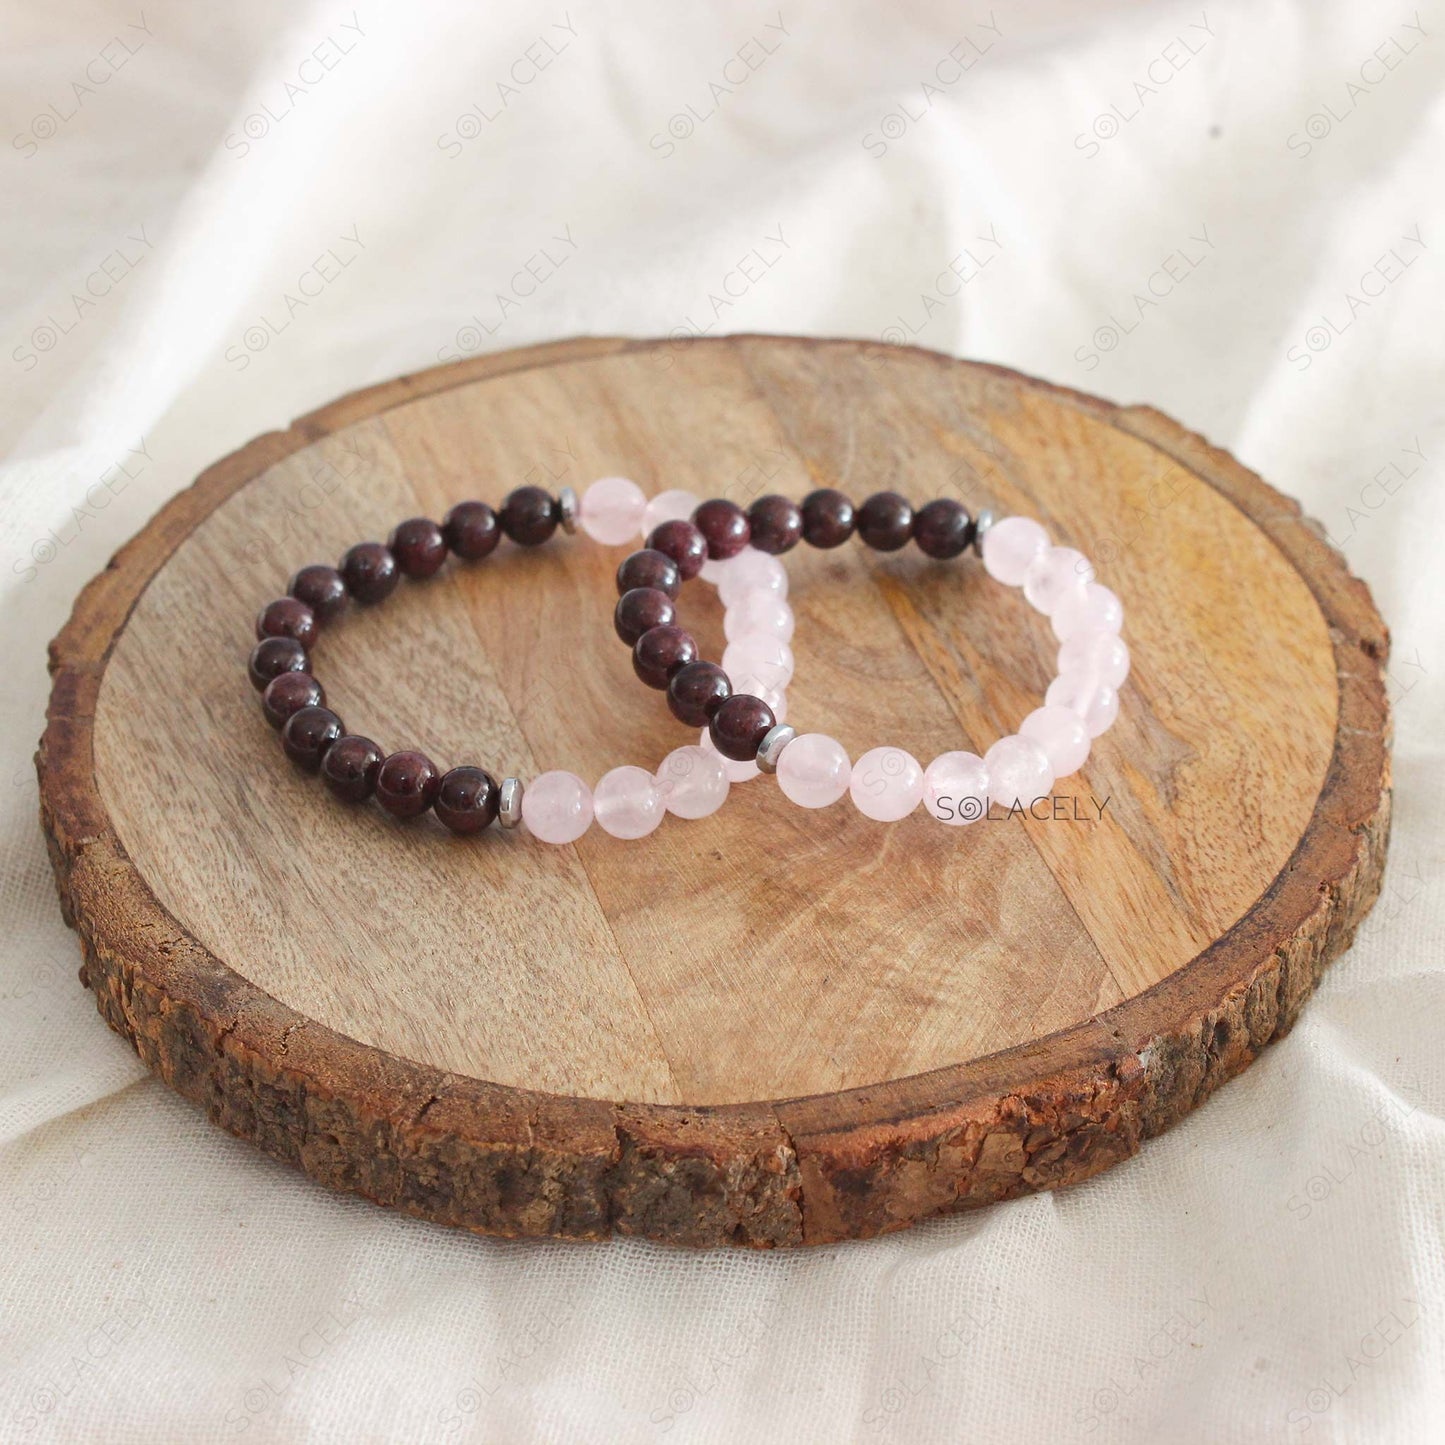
(771, 1026)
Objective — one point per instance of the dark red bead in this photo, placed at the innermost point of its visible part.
(885, 521)
(286, 617)
(660, 651)
(321, 588)
(419, 547)
(649, 568)
(739, 726)
(696, 691)
(827, 518)
(528, 516)
(274, 655)
(370, 572)
(407, 784)
(472, 530)
(943, 528)
(308, 734)
(350, 767)
(640, 610)
(724, 526)
(467, 800)
(777, 524)
(683, 543)
(289, 692)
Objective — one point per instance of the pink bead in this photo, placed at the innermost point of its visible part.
(1082, 693)
(1061, 733)
(757, 655)
(759, 612)
(1089, 606)
(627, 803)
(955, 788)
(672, 506)
(887, 784)
(751, 571)
(1018, 772)
(693, 782)
(611, 511)
(775, 697)
(814, 770)
(1009, 546)
(1103, 655)
(1052, 574)
(557, 807)
(737, 772)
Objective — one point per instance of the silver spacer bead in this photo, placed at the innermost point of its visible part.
(567, 509)
(981, 524)
(509, 809)
(772, 745)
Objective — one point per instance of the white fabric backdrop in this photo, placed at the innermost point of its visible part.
(1265, 176)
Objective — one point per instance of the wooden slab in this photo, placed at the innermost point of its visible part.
(768, 1027)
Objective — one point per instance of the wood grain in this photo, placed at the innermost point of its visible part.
(766, 1027)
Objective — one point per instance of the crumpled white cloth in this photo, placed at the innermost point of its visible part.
(217, 219)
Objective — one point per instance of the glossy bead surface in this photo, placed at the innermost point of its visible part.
(739, 725)
(419, 547)
(736, 772)
(885, 521)
(660, 651)
(407, 784)
(955, 788)
(1085, 695)
(528, 516)
(640, 610)
(757, 654)
(1104, 655)
(942, 529)
(886, 784)
(1053, 575)
(681, 541)
(724, 526)
(612, 509)
(673, 505)
(828, 518)
(751, 571)
(693, 782)
(289, 692)
(350, 767)
(814, 770)
(307, 735)
(466, 800)
(1009, 548)
(557, 807)
(1061, 733)
(1018, 772)
(696, 691)
(627, 803)
(649, 568)
(322, 589)
(1086, 607)
(760, 612)
(471, 530)
(274, 655)
(776, 524)
(370, 572)
(287, 617)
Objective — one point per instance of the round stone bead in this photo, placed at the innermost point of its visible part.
(419, 547)
(696, 691)
(751, 571)
(289, 692)
(407, 784)
(759, 612)
(759, 655)
(1061, 733)
(307, 735)
(693, 782)
(814, 770)
(775, 697)
(274, 655)
(674, 505)
(1084, 695)
(321, 588)
(639, 610)
(681, 541)
(660, 651)
(1018, 772)
(885, 521)
(828, 518)
(955, 788)
(528, 516)
(1086, 607)
(648, 568)
(1052, 575)
(611, 511)
(287, 617)
(739, 725)
(736, 772)
(1010, 546)
(627, 803)
(1104, 655)
(370, 572)
(724, 526)
(471, 530)
(467, 800)
(557, 807)
(942, 529)
(776, 523)
(886, 784)
(350, 767)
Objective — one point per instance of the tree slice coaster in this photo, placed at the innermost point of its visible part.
(771, 1026)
